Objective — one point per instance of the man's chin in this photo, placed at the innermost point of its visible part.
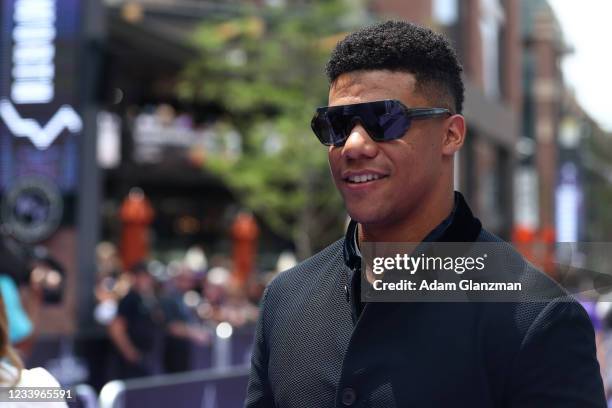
(366, 217)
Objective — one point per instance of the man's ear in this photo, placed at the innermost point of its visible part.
(454, 135)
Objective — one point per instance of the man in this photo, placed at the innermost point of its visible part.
(318, 345)
(136, 329)
(182, 327)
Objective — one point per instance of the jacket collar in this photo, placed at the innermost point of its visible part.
(352, 257)
(459, 226)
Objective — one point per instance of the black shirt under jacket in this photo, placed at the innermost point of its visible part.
(312, 350)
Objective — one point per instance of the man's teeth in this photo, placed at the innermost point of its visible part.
(363, 178)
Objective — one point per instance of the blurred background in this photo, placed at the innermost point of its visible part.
(157, 168)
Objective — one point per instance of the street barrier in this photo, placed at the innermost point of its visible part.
(214, 388)
(84, 397)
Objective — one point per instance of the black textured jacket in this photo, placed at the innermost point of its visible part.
(315, 347)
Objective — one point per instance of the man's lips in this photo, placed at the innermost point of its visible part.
(362, 176)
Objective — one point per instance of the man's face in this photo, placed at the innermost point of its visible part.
(408, 169)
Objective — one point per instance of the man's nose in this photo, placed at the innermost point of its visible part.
(359, 144)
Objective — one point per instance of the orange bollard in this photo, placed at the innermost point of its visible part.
(523, 238)
(244, 235)
(136, 215)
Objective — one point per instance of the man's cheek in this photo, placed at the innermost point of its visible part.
(335, 170)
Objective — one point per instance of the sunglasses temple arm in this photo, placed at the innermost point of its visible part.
(425, 113)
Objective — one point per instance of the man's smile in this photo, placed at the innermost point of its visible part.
(362, 178)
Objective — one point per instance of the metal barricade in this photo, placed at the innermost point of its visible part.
(214, 388)
(85, 397)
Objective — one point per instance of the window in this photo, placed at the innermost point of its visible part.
(491, 18)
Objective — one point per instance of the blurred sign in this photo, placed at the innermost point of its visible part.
(32, 209)
(569, 194)
(568, 198)
(108, 147)
(163, 138)
(38, 84)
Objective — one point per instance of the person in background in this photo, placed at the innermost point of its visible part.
(182, 328)
(214, 294)
(136, 329)
(237, 309)
(112, 284)
(12, 372)
(19, 325)
(15, 277)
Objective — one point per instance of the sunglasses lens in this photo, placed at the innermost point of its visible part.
(324, 130)
(393, 122)
(383, 120)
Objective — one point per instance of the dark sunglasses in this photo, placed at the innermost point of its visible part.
(383, 120)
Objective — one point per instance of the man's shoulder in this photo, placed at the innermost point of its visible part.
(310, 271)
(507, 261)
(129, 303)
(541, 303)
(310, 268)
(487, 236)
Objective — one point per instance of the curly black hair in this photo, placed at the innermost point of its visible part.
(405, 47)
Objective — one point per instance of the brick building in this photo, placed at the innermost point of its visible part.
(543, 101)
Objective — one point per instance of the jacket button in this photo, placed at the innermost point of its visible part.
(348, 396)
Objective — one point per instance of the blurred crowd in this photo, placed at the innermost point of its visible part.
(157, 315)
(29, 278)
(150, 318)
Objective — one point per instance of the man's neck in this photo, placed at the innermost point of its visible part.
(413, 229)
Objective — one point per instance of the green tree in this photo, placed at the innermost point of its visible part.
(266, 73)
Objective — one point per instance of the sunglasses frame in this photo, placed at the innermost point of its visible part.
(410, 113)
